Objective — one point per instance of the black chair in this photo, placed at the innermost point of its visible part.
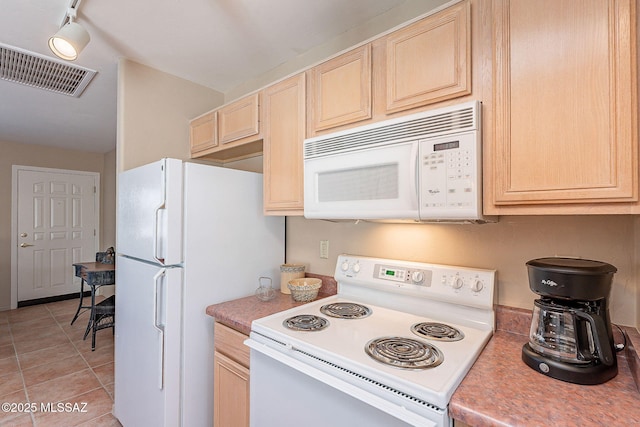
(104, 317)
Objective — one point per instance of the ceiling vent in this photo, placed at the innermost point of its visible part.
(35, 70)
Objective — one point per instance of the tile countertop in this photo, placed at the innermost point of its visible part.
(500, 390)
(238, 314)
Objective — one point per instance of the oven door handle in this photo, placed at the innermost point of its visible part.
(350, 389)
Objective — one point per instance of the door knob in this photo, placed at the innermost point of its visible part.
(25, 245)
(23, 234)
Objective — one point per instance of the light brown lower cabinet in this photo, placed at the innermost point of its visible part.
(231, 378)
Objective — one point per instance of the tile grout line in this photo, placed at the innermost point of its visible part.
(24, 384)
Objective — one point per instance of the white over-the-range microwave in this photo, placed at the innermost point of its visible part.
(422, 167)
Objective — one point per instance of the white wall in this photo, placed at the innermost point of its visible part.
(154, 109)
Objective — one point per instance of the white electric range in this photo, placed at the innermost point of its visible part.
(388, 350)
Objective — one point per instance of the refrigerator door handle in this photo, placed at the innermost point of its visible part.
(158, 325)
(155, 233)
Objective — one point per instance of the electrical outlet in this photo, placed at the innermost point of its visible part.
(324, 249)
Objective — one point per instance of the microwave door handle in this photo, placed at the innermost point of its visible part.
(414, 175)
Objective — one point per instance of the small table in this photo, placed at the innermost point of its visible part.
(95, 275)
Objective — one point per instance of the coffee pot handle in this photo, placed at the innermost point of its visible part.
(600, 336)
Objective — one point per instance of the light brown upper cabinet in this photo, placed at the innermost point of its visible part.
(240, 119)
(565, 107)
(429, 61)
(341, 89)
(232, 132)
(284, 132)
(203, 132)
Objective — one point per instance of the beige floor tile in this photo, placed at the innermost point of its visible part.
(7, 351)
(111, 389)
(37, 333)
(11, 383)
(44, 342)
(64, 319)
(104, 338)
(5, 334)
(64, 307)
(23, 420)
(46, 355)
(8, 365)
(62, 388)
(29, 325)
(30, 313)
(104, 421)
(75, 332)
(104, 373)
(15, 414)
(55, 369)
(77, 410)
(102, 354)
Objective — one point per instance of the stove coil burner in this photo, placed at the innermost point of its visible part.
(346, 310)
(437, 331)
(306, 322)
(405, 353)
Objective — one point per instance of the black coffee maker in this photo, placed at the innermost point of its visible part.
(570, 337)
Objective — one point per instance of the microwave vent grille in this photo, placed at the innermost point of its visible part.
(418, 126)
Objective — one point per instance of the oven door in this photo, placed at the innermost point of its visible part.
(376, 183)
(286, 391)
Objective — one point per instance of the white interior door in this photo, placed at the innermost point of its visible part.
(55, 224)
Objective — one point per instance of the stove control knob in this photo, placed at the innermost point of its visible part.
(356, 267)
(417, 277)
(476, 285)
(457, 282)
(345, 266)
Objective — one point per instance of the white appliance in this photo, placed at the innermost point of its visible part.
(325, 376)
(422, 167)
(188, 236)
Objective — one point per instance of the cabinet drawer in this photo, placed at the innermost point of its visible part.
(231, 343)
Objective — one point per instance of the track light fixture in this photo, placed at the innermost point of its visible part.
(71, 38)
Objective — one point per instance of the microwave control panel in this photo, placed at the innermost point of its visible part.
(449, 173)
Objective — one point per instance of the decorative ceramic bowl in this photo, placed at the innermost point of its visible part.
(304, 289)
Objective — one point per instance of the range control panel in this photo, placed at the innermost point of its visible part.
(462, 285)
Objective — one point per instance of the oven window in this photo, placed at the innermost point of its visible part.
(366, 183)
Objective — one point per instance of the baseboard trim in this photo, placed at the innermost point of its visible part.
(54, 298)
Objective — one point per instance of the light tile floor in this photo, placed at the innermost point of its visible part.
(45, 365)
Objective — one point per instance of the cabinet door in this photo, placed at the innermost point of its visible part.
(342, 89)
(239, 119)
(565, 111)
(284, 130)
(429, 61)
(202, 132)
(231, 393)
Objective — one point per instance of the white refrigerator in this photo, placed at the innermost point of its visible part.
(188, 236)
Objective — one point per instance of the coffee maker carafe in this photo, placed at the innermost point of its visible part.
(570, 337)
